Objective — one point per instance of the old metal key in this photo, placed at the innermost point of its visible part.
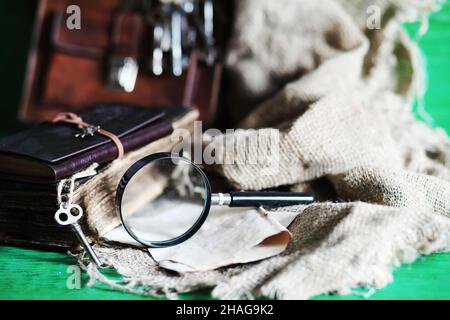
(70, 215)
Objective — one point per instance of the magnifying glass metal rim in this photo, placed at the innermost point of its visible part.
(129, 175)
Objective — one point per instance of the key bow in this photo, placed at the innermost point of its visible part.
(69, 215)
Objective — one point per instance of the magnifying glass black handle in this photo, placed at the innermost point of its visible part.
(269, 199)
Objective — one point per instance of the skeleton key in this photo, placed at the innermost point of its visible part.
(157, 59)
(176, 45)
(208, 14)
(70, 216)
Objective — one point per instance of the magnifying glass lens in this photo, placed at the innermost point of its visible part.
(164, 200)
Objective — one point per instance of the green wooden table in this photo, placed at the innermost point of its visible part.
(32, 274)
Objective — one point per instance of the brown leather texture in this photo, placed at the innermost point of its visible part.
(66, 68)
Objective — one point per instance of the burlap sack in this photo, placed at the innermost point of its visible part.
(341, 97)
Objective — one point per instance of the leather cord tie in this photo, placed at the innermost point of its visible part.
(72, 118)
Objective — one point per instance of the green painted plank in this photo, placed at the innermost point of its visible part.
(34, 274)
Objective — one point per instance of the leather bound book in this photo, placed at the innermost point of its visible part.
(52, 151)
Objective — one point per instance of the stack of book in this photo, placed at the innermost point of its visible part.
(35, 161)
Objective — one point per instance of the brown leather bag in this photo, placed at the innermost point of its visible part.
(66, 69)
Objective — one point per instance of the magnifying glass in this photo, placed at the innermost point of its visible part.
(164, 199)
